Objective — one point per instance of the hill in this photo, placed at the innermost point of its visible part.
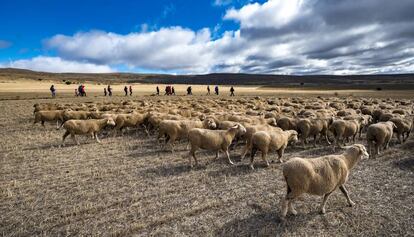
(386, 81)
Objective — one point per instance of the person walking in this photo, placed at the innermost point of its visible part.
(126, 90)
(105, 93)
(130, 90)
(158, 90)
(109, 90)
(189, 91)
(53, 90)
(216, 90)
(172, 90)
(83, 91)
(231, 91)
(76, 92)
(80, 90)
(208, 90)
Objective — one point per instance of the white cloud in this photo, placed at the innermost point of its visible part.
(273, 13)
(166, 49)
(56, 64)
(278, 36)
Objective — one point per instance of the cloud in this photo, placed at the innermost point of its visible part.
(4, 44)
(56, 64)
(277, 36)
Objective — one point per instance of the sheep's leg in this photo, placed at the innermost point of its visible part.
(399, 138)
(377, 149)
(217, 155)
(315, 137)
(285, 204)
(264, 154)
(74, 139)
(43, 123)
(195, 159)
(57, 124)
(245, 149)
(228, 157)
(171, 142)
(325, 199)
(345, 192)
(280, 154)
(64, 137)
(252, 154)
(96, 137)
(327, 139)
(291, 208)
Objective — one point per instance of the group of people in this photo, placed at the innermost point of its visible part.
(169, 90)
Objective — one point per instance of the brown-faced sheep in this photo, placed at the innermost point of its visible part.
(213, 140)
(89, 127)
(379, 133)
(319, 176)
(266, 141)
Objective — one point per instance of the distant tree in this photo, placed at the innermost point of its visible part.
(302, 83)
(379, 89)
(68, 82)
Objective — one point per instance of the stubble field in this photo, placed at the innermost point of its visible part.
(129, 186)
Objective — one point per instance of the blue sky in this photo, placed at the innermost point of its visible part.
(184, 36)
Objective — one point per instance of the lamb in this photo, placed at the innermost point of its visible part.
(44, 107)
(81, 127)
(213, 140)
(379, 133)
(179, 129)
(50, 116)
(319, 176)
(344, 129)
(271, 140)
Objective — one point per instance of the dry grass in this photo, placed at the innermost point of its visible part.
(128, 186)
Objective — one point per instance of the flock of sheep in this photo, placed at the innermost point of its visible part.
(260, 124)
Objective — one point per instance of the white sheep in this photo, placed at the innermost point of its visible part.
(271, 140)
(213, 140)
(319, 176)
(379, 133)
(81, 127)
(179, 129)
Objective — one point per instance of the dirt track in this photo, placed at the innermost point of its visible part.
(127, 185)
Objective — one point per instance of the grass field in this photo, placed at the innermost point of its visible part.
(128, 186)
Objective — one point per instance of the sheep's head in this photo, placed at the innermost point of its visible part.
(272, 122)
(241, 130)
(210, 123)
(293, 136)
(359, 149)
(110, 122)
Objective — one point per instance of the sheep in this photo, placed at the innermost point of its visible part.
(319, 176)
(287, 123)
(250, 130)
(130, 120)
(344, 129)
(313, 127)
(44, 107)
(81, 127)
(178, 129)
(379, 133)
(50, 116)
(213, 140)
(271, 140)
(403, 127)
